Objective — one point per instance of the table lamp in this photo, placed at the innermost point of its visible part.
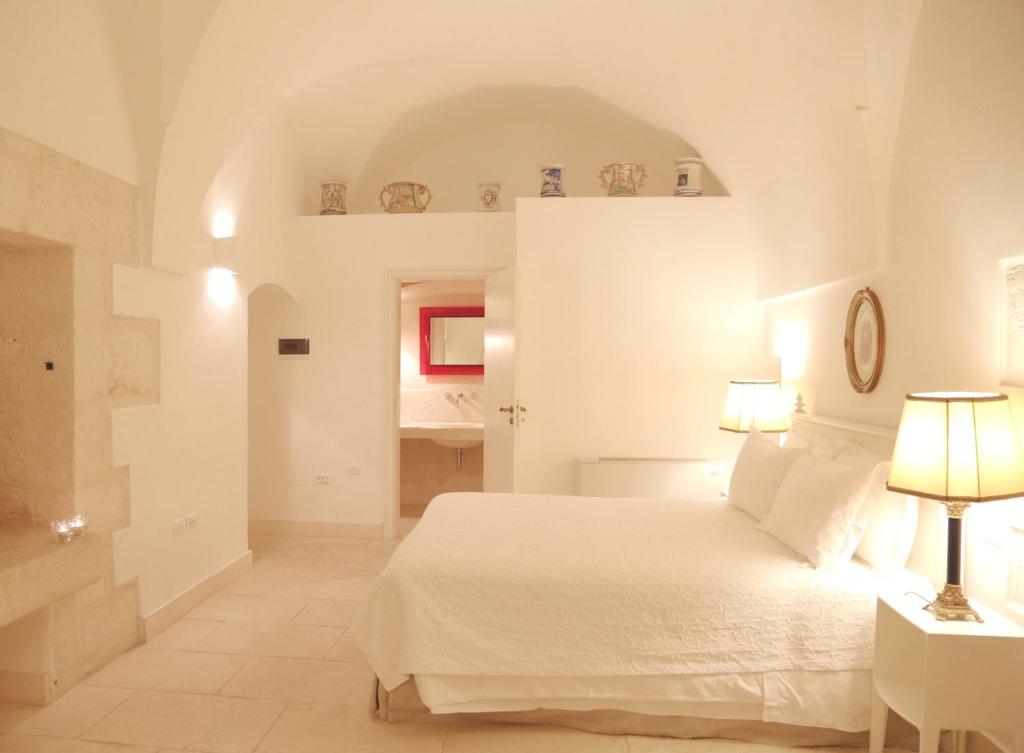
(957, 448)
(754, 403)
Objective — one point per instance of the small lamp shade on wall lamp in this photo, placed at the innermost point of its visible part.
(754, 404)
(957, 448)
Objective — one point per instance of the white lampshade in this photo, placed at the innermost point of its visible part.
(754, 404)
(957, 446)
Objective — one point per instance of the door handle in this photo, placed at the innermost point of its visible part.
(509, 409)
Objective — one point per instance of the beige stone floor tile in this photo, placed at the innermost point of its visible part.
(161, 669)
(308, 680)
(346, 649)
(242, 608)
(330, 613)
(362, 570)
(639, 744)
(257, 580)
(309, 728)
(516, 738)
(215, 724)
(342, 589)
(14, 713)
(255, 639)
(183, 634)
(33, 744)
(73, 713)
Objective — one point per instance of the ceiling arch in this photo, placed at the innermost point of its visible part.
(761, 90)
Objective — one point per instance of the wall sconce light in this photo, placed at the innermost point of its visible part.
(223, 224)
(221, 286)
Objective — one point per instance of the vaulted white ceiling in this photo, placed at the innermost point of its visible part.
(794, 103)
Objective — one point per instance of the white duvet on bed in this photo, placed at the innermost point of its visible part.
(522, 586)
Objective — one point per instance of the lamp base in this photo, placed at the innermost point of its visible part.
(951, 604)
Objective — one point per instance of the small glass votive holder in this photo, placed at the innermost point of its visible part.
(62, 530)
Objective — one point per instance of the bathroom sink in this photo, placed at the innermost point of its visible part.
(454, 434)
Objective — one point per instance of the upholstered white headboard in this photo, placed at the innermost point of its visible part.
(928, 555)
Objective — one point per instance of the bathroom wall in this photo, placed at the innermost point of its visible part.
(428, 469)
(957, 194)
(423, 397)
(36, 405)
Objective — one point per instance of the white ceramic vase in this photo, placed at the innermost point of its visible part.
(489, 196)
(688, 177)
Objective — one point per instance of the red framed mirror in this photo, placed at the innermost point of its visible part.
(451, 340)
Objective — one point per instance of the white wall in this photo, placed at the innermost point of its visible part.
(632, 316)
(336, 402)
(957, 194)
(61, 84)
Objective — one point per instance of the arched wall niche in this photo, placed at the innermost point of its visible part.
(270, 311)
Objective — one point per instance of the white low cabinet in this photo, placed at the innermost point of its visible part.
(683, 478)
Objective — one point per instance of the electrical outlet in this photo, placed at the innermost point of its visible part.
(353, 469)
(322, 479)
(178, 527)
(192, 522)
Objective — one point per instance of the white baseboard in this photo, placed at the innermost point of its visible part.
(163, 617)
(315, 528)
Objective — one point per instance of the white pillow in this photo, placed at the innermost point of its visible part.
(758, 473)
(892, 517)
(820, 510)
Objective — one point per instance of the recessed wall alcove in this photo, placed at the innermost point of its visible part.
(65, 364)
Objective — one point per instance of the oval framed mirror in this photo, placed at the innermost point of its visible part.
(864, 340)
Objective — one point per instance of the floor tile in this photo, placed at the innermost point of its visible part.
(346, 649)
(639, 744)
(255, 639)
(362, 570)
(329, 613)
(309, 728)
(159, 669)
(73, 713)
(516, 738)
(241, 608)
(215, 724)
(308, 680)
(32, 744)
(343, 589)
(183, 634)
(14, 713)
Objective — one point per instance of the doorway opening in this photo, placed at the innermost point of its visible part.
(441, 396)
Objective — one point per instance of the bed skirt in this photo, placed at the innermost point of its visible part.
(403, 705)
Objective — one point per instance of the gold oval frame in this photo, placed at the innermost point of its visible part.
(865, 297)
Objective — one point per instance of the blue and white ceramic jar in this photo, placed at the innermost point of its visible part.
(553, 180)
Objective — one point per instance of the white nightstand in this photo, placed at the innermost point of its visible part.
(946, 675)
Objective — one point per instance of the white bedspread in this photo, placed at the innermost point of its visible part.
(543, 586)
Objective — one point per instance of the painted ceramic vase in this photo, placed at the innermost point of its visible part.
(688, 171)
(553, 180)
(332, 197)
(623, 178)
(489, 193)
(405, 197)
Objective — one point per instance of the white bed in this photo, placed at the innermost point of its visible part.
(498, 603)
